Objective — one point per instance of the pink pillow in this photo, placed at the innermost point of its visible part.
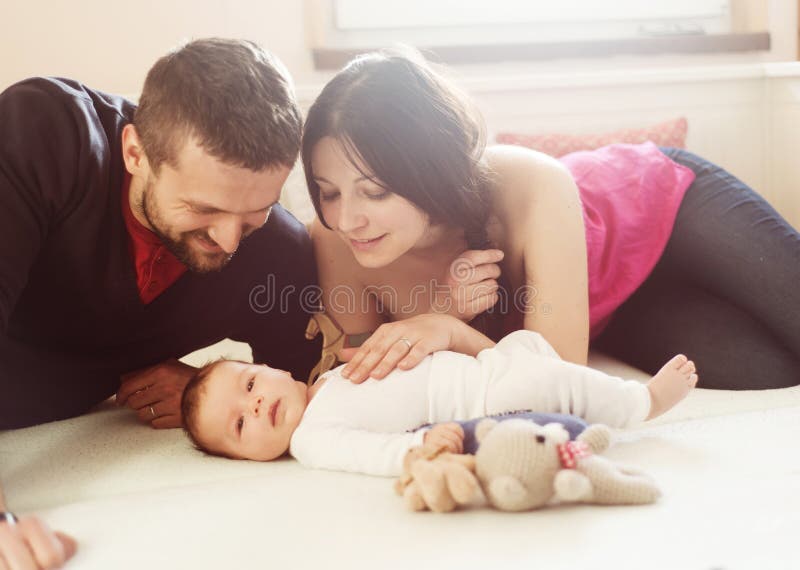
(669, 133)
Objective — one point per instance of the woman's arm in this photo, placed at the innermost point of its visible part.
(403, 344)
(542, 207)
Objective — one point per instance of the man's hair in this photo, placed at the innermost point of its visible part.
(235, 99)
(190, 406)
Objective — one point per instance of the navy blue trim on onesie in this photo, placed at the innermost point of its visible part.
(573, 424)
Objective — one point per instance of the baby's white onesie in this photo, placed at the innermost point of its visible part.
(367, 427)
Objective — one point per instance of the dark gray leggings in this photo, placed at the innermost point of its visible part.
(726, 291)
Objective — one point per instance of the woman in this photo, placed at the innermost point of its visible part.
(651, 253)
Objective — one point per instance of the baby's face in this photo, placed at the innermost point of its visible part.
(249, 411)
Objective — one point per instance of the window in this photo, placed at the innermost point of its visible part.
(544, 18)
(480, 31)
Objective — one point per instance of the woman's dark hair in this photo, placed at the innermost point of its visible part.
(417, 135)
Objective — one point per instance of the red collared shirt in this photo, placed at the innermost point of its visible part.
(156, 267)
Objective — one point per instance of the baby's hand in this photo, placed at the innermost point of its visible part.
(450, 436)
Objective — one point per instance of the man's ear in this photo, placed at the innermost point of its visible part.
(133, 154)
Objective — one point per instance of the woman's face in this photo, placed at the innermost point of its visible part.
(378, 225)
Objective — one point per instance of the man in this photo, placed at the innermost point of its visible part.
(132, 236)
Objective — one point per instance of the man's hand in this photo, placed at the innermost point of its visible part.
(31, 545)
(155, 392)
(449, 435)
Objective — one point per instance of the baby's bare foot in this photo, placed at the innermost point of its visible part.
(671, 385)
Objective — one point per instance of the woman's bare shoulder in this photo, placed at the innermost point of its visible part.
(515, 166)
(520, 176)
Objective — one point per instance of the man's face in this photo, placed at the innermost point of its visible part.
(202, 208)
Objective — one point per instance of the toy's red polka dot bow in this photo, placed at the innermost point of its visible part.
(570, 452)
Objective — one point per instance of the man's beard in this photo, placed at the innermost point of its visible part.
(180, 244)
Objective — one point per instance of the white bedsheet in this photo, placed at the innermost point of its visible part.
(728, 464)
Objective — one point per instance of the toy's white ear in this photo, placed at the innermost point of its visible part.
(484, 427)
(597, 437)
(556, 433)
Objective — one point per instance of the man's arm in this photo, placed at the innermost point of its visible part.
(40, 144)
(37, 158)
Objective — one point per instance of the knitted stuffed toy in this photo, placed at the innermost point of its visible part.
(437, 480)
(441, 481)
(333, 340)
(520, 465)
(523, 466)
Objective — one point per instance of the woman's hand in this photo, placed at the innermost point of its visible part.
(405, 343)
(472, 283)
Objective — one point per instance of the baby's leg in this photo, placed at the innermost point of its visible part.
(671, 384)
(518, 378)
(524, 372)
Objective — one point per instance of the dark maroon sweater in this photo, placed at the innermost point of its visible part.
(71, 321)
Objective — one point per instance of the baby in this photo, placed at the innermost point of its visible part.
(248, 411)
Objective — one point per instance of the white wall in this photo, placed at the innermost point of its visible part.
(110, 44)
(745, 118)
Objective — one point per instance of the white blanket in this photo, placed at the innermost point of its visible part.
(728, 464)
